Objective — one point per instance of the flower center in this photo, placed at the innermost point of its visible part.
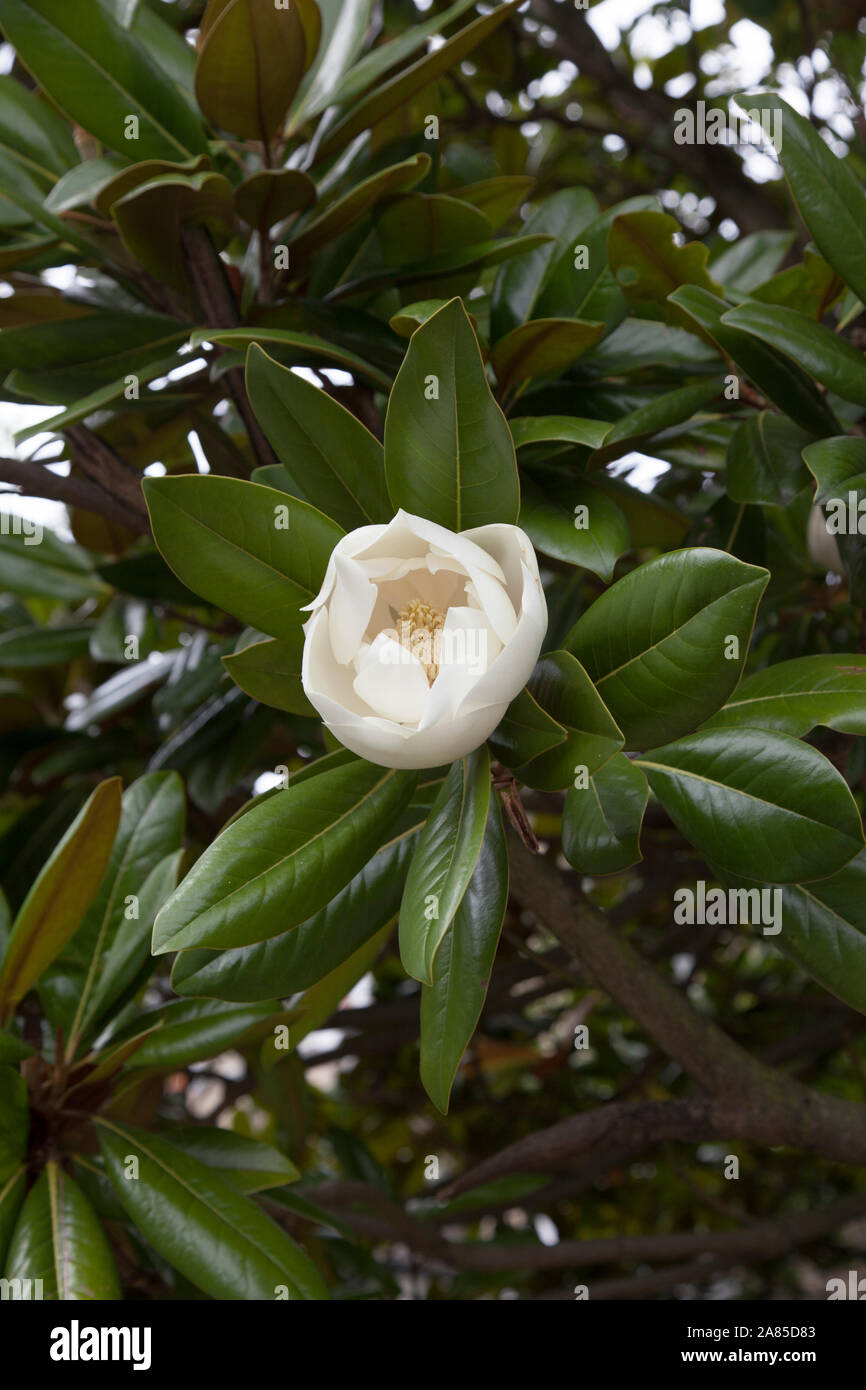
(419, 630)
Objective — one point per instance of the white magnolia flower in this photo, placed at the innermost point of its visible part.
(823, 548)
(420, 638)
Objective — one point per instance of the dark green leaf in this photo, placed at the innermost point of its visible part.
(765, 464)
(101, 75)
(795, 696)
(443, 863)
(249, 549)
(758, 803)
(216, 1237)
(452, 1004)
(308, 953)
(449, 455)
(601, 821)
(336, 463)
(829, 358)
(58, 1239)
(271, 672)
(666, 644)
(563, 690)
(61, 895)
(826, 190)
(264, 874)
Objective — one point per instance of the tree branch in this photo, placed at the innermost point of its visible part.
(219, 310)
(35, 481)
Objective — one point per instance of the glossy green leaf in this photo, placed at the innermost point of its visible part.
(270, 195)
(837, 464)
(758, 803)
(152, 217)
(345, 212)
(746, 263)
(128, 953)
(248, 1163)
(249, 549)
(335, 462)
(498, 198)
(302, 346)
(826, 190)
(195, 1029)
(765, 464)
(12, 1191)
(445, 266)
(525, 732)
(396, 91)
(579, 280)
(829, 358)
(419, 225)
(386, 56)
(323, 999)
(657, 643)
(250, 66)
(543, 347)
(57, 362)
(553, 429)
(299, 958)
(100, 74)
(34, 133)
(214, 1235)
(271, 672)
(449, 455)
(667, 409)
(575, 522)
(793, 697)
(780, 379)
(61, 895)
(132, 176)
(27, 647)
(518, 286)
(452, 1004)
(58, 1239)
(96, 401)
(50, 569)
(151, 827)
(344, 24)
(811, 286)
(562, 688)
(14, 1120)
(824, 930)
(443, 863)
(80, 186)
(263, 875)
(649, 264)
(601, 821)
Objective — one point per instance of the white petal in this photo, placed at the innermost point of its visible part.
(510, 671)
(446, 741)
(823, 546)
(467, 648)
(407, 536)
(352, 602)
(321, 676)
(509, 546)
(391, 681)
(350, 545)
(494, 601)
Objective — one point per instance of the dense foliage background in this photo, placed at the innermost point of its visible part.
(195, 200)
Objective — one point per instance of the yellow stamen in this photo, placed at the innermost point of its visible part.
(418, 631)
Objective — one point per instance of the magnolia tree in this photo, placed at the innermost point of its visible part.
(432, 855)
